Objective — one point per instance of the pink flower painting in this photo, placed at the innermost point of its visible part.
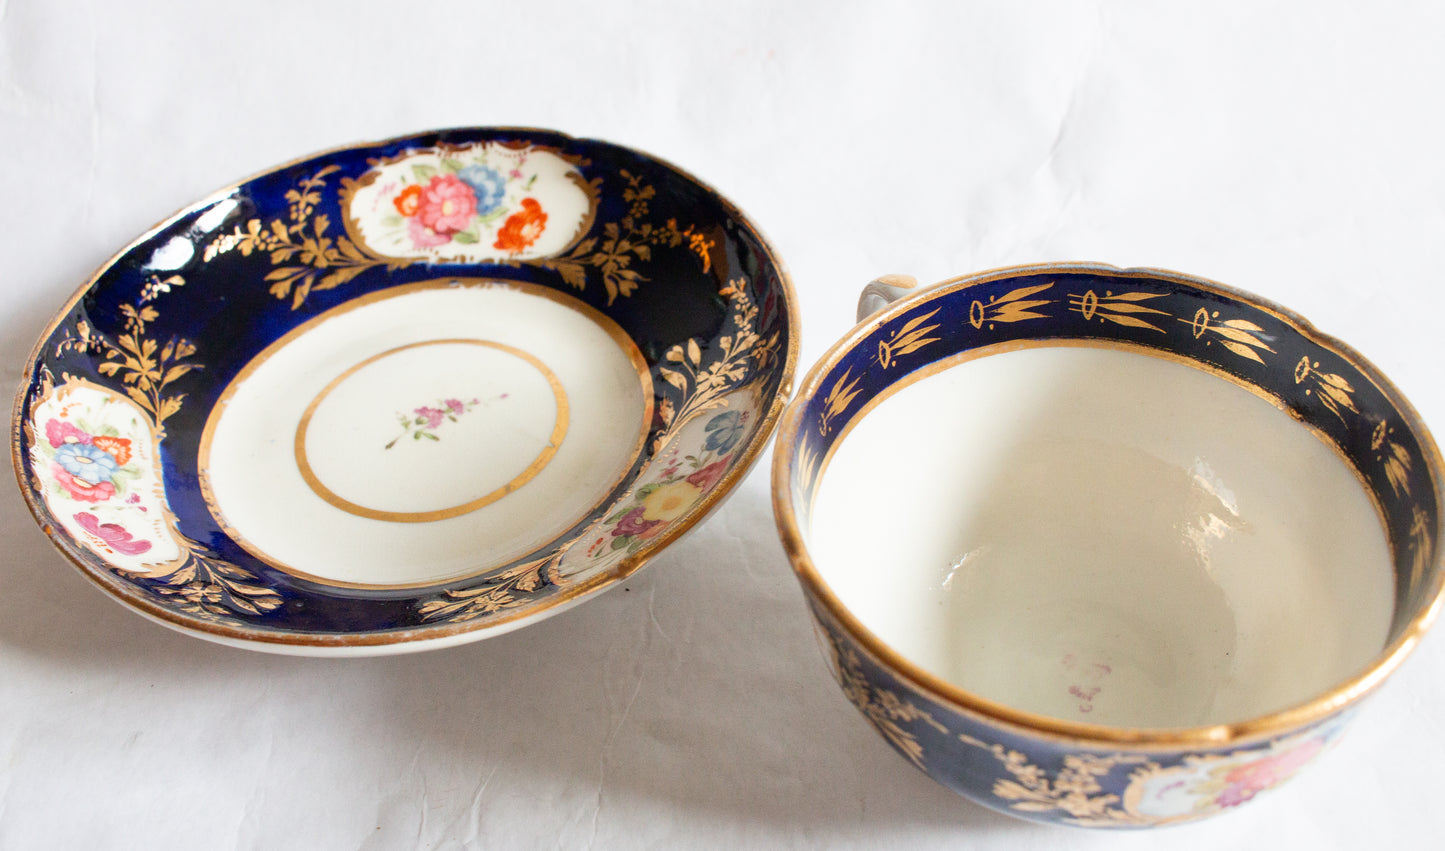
(447, 205)
(112, 535)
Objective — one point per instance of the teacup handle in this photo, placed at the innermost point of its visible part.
(882, 292)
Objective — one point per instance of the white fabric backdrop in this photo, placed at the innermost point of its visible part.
(1294, 150)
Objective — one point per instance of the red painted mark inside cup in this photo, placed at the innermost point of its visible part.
(1093, 673)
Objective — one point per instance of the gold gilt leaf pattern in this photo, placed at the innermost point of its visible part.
(145, 367)
(506, 590)
(837, 400)
(1013, 306)
(308, 258)
(201, 584)
(210, 587)
(1119, 308)
(305, 256)
(883, 708)
(1420, 545)
(1397, 468)
(1240, 336)
(1393, 457)
(631, 238)
(1335, 393)
(704, 382)
(910, 338)
(807, 466)
(1074, 790)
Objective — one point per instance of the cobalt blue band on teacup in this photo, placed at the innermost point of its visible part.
(1065, 771)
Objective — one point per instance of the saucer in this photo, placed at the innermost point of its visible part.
(407, 394)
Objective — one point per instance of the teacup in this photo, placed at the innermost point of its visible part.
(1103, 547)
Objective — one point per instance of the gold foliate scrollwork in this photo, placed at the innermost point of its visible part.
(144, 365)
(205, 585)
(1073, 790)
(308, 258)
(631, 238)
(505, 590)
(199, 583)
(704, 379)
(884, 709)
(321, 261)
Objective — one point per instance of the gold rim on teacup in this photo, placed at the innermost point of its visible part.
(876, 311)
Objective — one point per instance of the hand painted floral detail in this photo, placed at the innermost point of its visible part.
(116, 447)
(670, 501)
(681, 482)
(481, 203)
(522, 228)
(97, 470)
(87, 467)
(86, 461)
(707, 478)
(112, 535)
(81, 489)
(723, 432)
(408, 201)
(488, 185)
(423, 236)
(633, 524)
(60, 433)
(447, 205)
(1241, 783)
(486, 202)
(423, 422)
(1204, 784)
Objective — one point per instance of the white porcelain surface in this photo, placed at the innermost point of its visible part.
(1289, 150)
(1102, 536)
(455, 425)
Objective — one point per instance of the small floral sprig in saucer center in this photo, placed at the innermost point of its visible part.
(422, 423)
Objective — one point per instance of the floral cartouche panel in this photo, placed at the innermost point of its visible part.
(471, 204)
(1052, 781)
(1203, 785)
(95, 458)
(171, 321)
(679, 476)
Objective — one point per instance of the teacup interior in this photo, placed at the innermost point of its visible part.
(1103, 535)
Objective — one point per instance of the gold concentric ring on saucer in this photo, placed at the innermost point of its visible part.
(554, 441)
